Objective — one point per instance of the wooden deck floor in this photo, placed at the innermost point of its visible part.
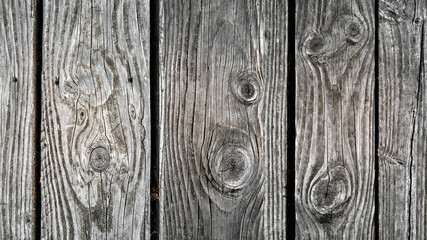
(215, 119)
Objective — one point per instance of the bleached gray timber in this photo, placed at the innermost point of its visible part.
(96, 120)
(17, 115)
(224, 119)
(402, 119)
(334, 156)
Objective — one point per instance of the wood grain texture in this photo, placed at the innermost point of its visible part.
(334, 188)
(402, 119)
(223, 163)
(96, 120)
(17, 126)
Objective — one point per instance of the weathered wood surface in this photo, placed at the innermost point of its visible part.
(17, 128)
(223, 163)
(96, 120)
(402, 119)
(334, 188)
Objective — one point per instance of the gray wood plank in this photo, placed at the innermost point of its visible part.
(224, 119)
(96, 120)
(402, 119)
(334, 191)
(17, 112)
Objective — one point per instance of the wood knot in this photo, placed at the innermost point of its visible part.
(315, 44)
(391, 13)
(14, 79)
(230, 159)
(349, 29)
(70, 86)
(247, 87)
(99, 159)
(418, 21)
(81, 116)
(353, 31)
(232, 166)
(132, 111)
(331, 194)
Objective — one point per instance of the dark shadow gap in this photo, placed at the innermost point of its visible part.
(37, 81)
(376, 123)
(291, 84)
(155, 117)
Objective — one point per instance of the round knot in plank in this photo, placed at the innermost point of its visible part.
(99, 159)
(315, 44)
(331, 194)
(354, 32)
(231, 160)
(247, 87)
(232, 166)
(318, 47)
(350, 28)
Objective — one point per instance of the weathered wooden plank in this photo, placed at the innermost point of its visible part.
(17, 125)
(334, 119)
(223, 162)
(402, 119)
(96, 120)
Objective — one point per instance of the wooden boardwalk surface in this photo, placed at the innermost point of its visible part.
(95, 120)
(217, 119)
(402, 113)
(334, 119)
(17, 120)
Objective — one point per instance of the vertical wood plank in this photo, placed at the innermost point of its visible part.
(334, 119)
(96, 120)
(223, 163)
(402, 119)
(17, 126)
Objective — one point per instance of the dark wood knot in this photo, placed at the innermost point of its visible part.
(247, 87)
(132, 111)
(418, 21)
(99, 159)
(315, 44)
(349, 28)
(230, 158)
(353, 31)
(331, 194)
(232, 168)
(81, 116)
